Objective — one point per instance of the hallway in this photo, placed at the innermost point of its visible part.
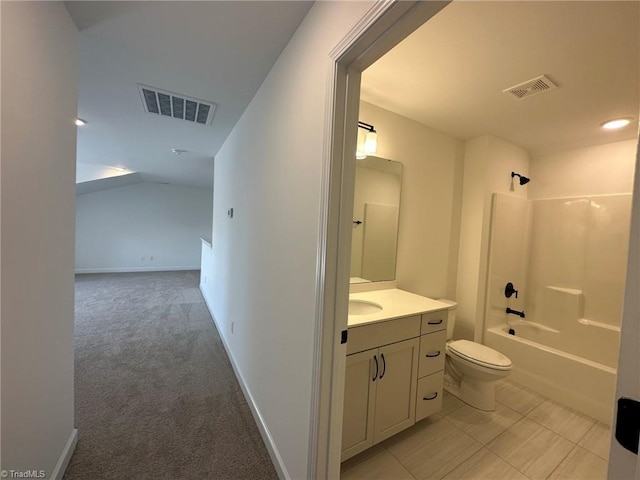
(155, 394)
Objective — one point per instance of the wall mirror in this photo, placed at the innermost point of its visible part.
(376, 211)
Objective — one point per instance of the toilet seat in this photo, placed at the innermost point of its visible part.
(479, 354)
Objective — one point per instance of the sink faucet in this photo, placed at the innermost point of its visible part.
(515, 312)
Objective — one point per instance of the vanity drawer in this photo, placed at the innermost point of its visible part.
(429, 395)
(382, 333)
(434, 321)
(432, 352)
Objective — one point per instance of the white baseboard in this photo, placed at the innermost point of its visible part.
(134, 269)
(65, 457)
(276, 459)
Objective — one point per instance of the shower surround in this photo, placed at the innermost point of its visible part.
(567, 257)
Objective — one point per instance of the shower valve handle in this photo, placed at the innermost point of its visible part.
(509, 290)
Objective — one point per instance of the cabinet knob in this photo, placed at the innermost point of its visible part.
(433, 396)
(434, 322)
(433, 354)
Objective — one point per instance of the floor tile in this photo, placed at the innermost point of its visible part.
(483, 426)
(485, 465)
(450, 403)
(434, 450)
(598, 440)
(517, 397)
(562, 420)
(381, 466)
(531, 448)
(581, 464)
(361, 457)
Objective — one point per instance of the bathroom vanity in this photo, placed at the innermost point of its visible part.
(395, 365)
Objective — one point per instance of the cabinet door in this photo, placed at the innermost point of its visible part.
(396, 388)
(359, 402)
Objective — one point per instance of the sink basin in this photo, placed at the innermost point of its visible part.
(363, 307)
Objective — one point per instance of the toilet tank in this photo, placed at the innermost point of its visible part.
(451, 317)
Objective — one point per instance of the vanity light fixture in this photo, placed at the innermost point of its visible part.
(616, 123)
(367, 142)
(80, 122)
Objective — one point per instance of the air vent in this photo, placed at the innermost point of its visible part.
(532, 87)
(168, 104)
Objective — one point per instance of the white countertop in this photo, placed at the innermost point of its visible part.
(395, 304)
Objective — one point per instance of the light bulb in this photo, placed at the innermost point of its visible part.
(360, 153)
(616, 123)
(371, 143)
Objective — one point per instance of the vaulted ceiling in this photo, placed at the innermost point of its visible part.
(214, 51)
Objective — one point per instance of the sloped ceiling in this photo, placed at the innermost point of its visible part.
(450, 73)
(215, 51)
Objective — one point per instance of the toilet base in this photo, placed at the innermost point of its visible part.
(478, 394)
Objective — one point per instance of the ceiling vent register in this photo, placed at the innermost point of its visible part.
(168, 104)
(531, 88)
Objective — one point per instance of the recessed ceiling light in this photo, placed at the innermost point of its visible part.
(80, 122)
(178, 151)
(616, 123)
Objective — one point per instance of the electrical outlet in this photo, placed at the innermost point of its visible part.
(143, 258)
(151, 258)
(233, 324)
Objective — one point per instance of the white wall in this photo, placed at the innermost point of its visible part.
(37, 201)
(488, 164)
(601, 170)
(262, 276)
(430, 201)
(146, 226)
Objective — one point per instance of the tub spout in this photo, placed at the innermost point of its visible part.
(515, 312)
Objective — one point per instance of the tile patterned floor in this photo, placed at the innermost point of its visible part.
(526, 437)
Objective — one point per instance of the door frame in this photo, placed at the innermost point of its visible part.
(622, 463)
(383, 26)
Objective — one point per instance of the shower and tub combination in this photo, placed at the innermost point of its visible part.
(554, 295)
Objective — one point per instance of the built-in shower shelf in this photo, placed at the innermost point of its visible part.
(568, 291)
(593, 323)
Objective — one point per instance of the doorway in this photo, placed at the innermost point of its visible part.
(351, 61)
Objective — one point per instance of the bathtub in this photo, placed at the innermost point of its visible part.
(579, 374)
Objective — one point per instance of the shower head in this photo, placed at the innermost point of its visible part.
(523, 180)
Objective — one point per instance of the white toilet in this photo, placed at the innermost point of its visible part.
(472, 369)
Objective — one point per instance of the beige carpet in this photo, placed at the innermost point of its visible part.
(155, 394)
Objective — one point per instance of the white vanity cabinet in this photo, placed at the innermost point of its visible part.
(380, 383)
(394, 377)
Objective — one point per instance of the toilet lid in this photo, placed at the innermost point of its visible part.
(479, 354)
